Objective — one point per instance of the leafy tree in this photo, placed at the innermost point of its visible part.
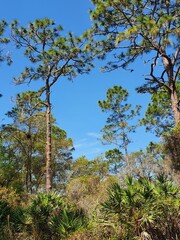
(80, 167)
(100, 167)
(84, 167)
(23, 144)
(4, 41)
(115, 160)
(22, 134)
(159, 117)
(10, 175)
(150, 162)
(52, 56)
(143, 163)
(171, 147)
(88, 183)
(118, 126)
(62, 148)
(87, 192)
(131, 29)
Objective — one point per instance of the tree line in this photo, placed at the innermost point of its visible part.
(45, 194)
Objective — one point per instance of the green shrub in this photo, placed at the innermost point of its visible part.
(145, 205)
(51, 218)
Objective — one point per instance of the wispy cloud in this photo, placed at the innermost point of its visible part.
(80, 143)
(89, 146)
(85, 143)
(96, 151)
(94, 134)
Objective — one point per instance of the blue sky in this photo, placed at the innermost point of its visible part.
(75, 104)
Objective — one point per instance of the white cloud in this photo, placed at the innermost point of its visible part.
(96, 150)
(85, 143)
(94, 134)
(80, 143)
(90, 147)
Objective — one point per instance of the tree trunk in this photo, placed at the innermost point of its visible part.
(126, 153)
(48, 140)
(29, 161)
(172, 83)
(175, 107)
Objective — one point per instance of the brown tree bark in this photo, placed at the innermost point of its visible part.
(48, 140)
(175, 106)
(168, 65)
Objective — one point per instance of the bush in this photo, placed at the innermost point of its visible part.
(12, 215)
(51, 218)
(147, 206)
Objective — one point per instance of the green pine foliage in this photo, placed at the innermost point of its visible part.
(120, 195)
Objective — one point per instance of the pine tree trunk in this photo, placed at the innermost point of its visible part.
(175, 107)
(48, 140)
(126, 153)
(29, 166)
(172, 83)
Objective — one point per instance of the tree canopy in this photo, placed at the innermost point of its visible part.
(52, 56)
(130, 29)
(123, 193)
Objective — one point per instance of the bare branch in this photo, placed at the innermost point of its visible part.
(175, 58)
(176, 73)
